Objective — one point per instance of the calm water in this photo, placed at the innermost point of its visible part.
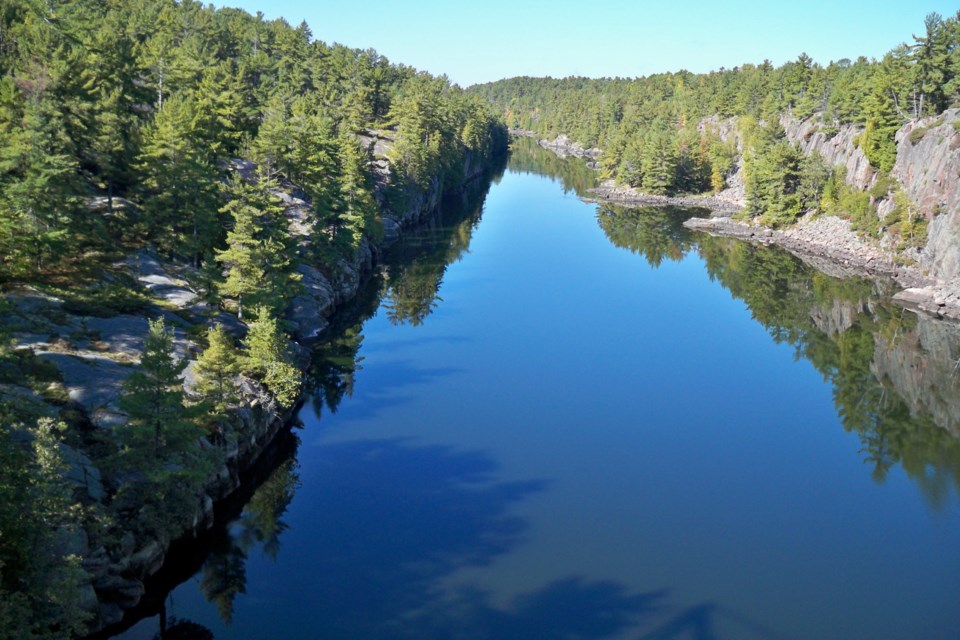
(563, 421)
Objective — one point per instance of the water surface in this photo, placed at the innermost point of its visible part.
(558, 420)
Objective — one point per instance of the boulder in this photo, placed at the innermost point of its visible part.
(94, 383)
(82, 473)
(159, 282)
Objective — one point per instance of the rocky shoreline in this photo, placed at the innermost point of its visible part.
(609, 191)
(827, 243)
(562, 146)
(117, 571)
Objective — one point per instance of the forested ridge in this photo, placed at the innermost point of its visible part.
(654, 135)
(172, 133)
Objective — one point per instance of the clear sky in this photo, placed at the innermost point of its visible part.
(476, 42)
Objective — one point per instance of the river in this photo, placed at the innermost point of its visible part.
(549, 419)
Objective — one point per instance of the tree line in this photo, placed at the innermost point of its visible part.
(653, 136)
(148, 100)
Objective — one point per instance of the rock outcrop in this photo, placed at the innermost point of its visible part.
(928, 168)
(565, 147)
(836, 145)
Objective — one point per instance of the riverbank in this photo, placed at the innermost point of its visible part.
(89, 350)
(826, 242)
(609, 191)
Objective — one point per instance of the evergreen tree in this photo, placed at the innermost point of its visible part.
(216, 370)
(359, 210)
(773, 177)
(930, 54)
(37, 181)
(268, 357)
(259, 257)
(161, 452)
(659, 160)
(160, 424)
(179, 180)
(271, 149)
(883, 114)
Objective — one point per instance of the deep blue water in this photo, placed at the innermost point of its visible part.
(582, 440)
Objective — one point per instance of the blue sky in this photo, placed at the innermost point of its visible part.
(484, 41)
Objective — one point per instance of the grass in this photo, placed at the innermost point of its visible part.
(917, 134)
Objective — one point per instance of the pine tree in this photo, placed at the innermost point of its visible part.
(359, 213)
(179, 182)
(659, 160)
(773, 177)
(160, 426)
(37, 181)
(269, 359)
(883, 113)
(930, 54)
(108, 78)
(259, 257)
(216, 369)
(272, 147)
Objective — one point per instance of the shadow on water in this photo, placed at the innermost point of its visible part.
(389, 527)
(390, 524)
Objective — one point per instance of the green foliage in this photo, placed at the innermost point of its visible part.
(906, 222)
(845, 201)
(773, 177)
(260, 257)
(160, 456)
(918, 133)
(267, 357)
(216, 370)
(815, 176)
(39, 583)
(619, 115)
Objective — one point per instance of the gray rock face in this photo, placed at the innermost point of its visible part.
(83, 474)
(159, 282)
(564, 147)
(837, 148)
(95, 383)
(929, 170)
(307, 316)
(309, 311)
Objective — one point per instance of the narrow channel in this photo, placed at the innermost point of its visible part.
(553, 419)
